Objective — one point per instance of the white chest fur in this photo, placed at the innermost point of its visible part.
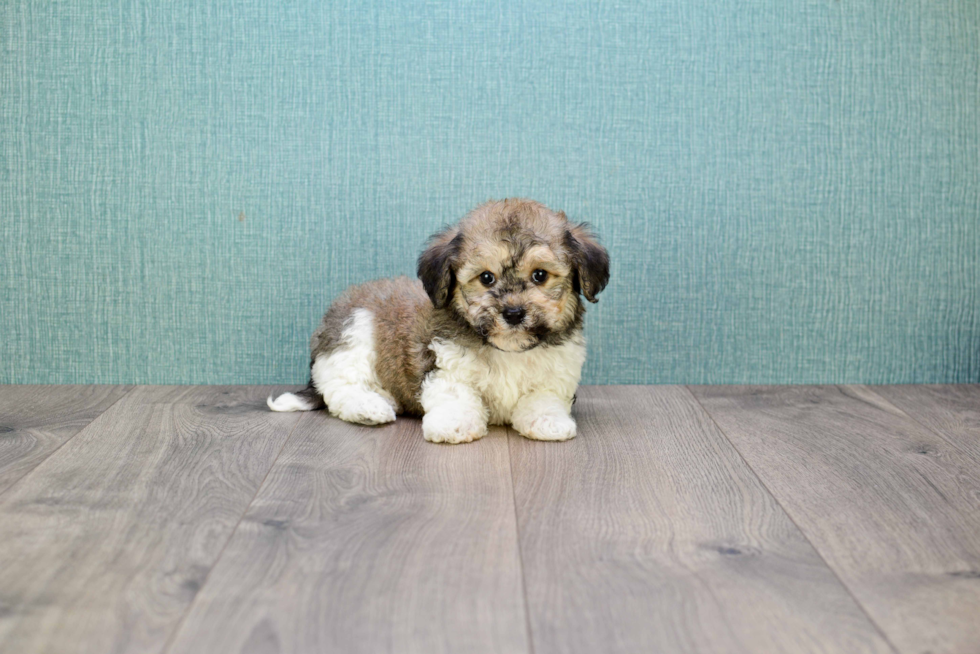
(501, 379)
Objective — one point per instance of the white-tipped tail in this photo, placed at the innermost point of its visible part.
(289, 402)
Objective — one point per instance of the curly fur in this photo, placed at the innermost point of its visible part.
(490, 334)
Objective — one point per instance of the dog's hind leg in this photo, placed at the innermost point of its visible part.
(361, 405)
(346, 377)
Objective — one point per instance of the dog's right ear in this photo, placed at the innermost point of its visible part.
(437, 266)
(590, 259)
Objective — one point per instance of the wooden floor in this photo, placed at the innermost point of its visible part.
(701, 519)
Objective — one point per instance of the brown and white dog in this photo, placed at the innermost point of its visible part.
(491, 335)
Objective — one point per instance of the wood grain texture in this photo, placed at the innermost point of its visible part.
(370, 540)
(648, 533)
(891, 506)
(951, 410)
(104, 545)
(37, 420)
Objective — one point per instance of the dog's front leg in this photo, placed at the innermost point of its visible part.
(543, 416)
(454, 412)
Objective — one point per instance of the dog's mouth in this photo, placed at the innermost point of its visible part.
(513, 338)
(505, 345)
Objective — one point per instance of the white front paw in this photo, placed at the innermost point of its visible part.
(452, 427)
(549, 427)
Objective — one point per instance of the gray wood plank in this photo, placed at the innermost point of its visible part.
(891, 506)
(104, 545)
(37, 420)
(370, 540)
(951, 410)
(648, 533)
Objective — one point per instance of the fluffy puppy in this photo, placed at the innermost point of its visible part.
(491, 334)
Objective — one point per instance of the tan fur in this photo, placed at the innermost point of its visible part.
(511, 239)
(402, 312)
(519, 236)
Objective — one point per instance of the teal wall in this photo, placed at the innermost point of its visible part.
(790, 191)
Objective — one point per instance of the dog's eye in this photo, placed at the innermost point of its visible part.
(538, 276)
(487, 278)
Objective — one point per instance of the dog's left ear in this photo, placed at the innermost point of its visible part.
(437, 266)
(591, 261)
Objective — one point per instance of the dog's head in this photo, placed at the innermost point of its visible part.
(513, 271)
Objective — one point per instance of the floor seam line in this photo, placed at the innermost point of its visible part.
(908, 415)
(520, 553)
(803, 533)
(180, 624)
(70, 438)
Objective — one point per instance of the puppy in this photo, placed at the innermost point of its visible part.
(491, 334)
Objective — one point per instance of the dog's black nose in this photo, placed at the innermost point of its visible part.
(514, 315)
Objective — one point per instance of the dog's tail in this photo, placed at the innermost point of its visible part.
(307, 399)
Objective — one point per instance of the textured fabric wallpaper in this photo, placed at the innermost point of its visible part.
(790, 191)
